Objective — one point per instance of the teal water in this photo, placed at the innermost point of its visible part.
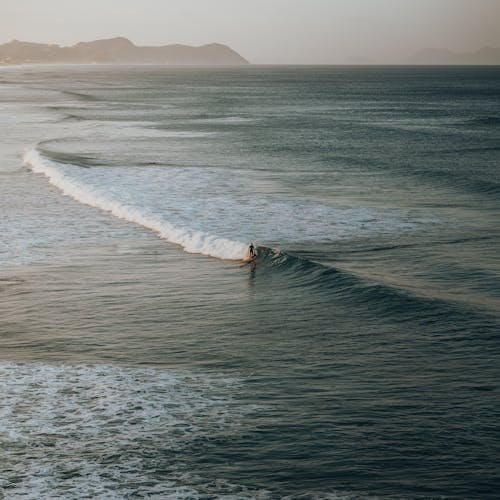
(357, 359)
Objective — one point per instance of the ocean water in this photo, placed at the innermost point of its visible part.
(358, 358)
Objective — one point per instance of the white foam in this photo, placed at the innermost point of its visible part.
(104, 431)
(193, 241)
(111, 432)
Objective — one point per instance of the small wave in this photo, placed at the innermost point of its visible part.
(192, 241)
(80, 95)
(72, 159)
(221, 120)
(464, 181)
(385, 299)
(74, 118)
(487, 121)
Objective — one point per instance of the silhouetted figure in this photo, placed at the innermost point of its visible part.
(251, 251)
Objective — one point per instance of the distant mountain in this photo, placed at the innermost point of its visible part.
(486, 56)
(117, 51)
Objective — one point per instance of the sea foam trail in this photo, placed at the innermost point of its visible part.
(192, 241)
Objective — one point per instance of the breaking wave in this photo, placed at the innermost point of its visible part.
(192, 241)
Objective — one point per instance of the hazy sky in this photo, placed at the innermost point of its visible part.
(265, 31)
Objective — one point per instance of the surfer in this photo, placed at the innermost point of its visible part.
(251, 251)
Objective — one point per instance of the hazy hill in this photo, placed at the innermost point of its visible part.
(486, 56)
(117, 51)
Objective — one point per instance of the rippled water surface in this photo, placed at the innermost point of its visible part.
(357, 359)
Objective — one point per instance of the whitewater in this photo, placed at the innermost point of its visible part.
(191, 241)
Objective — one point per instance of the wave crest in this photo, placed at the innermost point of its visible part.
(190, 240)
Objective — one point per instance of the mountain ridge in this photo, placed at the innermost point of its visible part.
(483, 56)
(117, 50)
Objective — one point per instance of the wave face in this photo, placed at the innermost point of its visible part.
(89, 193)
(386, 299)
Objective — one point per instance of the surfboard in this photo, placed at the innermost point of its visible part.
(248, 259)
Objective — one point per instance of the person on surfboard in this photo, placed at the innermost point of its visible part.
(251, 252)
